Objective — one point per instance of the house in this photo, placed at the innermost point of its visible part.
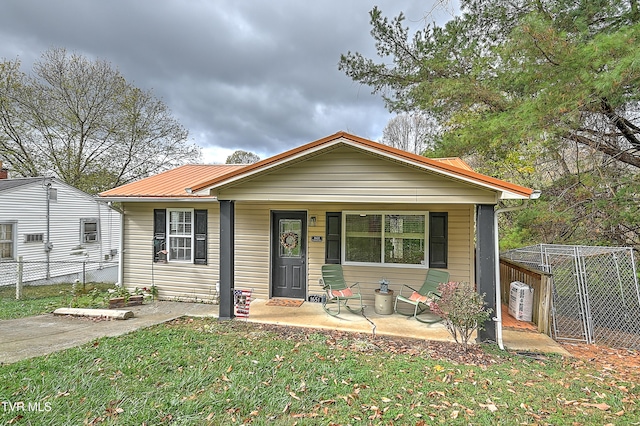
(54, 228)
(269, 226)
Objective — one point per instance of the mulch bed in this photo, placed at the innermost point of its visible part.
(364, 342)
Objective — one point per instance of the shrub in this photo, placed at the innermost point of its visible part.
(462, 309)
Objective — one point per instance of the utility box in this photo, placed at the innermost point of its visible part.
(521, 301)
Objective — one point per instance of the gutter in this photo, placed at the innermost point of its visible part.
(169, 199)
(498, 318)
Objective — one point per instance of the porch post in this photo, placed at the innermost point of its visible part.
(227, 224)
(485, 266)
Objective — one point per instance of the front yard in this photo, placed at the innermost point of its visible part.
(202, 371)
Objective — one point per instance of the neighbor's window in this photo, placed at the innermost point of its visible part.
(180, 231)
(385, 238)
(89, 231)
(34, 238)
(7, 242)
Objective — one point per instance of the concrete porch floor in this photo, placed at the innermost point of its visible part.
(523, 338)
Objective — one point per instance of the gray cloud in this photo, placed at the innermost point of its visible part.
(253, 75)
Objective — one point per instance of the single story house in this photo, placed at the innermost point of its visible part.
(53, 228)
(269, 226)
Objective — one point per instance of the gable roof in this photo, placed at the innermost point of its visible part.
(196, 181)
(6, 184)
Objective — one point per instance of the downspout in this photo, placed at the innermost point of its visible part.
(121, 250)
(120, 243)
(498, 318)
(47, 246)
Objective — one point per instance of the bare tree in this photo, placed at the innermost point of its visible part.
(80, 120)
(410, 132)
(242, 157)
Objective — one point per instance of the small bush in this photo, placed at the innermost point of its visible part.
(462, 309)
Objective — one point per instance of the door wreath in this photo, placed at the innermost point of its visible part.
(289, 240)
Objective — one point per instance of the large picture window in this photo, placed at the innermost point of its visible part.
(385, 238)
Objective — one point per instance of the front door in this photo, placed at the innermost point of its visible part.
(289, 254)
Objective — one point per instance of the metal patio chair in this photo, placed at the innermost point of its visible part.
(421, 298)
(339, 293)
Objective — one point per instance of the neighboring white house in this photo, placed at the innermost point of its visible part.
(62, 230)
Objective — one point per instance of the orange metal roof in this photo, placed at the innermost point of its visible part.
(172, 183)
(456, 162)
(447, 166)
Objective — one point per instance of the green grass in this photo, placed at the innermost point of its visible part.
(43, 299)
(202, 371)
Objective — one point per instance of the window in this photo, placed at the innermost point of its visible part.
(402, 238)
(180, 231)
(34, 238)
(89, 230)
(387, 238)
(7, 242)
(180, 235)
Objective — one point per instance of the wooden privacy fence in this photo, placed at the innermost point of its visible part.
(542, 284)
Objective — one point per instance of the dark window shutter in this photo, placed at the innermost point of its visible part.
(159, 231)
(333, 238)
(438, 245)
(200, 246)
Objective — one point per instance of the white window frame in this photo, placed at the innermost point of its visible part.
(12, 241)
(34, 238)
(83, 232)
(190, 236)
(383, 213)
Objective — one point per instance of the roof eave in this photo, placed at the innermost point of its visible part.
(157, 198)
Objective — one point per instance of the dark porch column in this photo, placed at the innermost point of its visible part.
(227, 228)
(486, 266)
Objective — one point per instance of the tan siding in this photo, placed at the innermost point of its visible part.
(344, 175)
(175, 281)
(252, 263)
(252, 250)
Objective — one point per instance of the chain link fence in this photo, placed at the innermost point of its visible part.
(41, 273)
(596, 298)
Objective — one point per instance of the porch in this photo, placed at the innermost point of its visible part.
(517, 335)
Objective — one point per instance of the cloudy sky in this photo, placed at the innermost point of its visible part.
(260, 76)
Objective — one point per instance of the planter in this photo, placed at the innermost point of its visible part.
(120, 302)
(383, 302)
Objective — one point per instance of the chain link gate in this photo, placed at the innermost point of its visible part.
(596, 298)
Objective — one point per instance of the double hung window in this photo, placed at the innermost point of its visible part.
(180, 235)
(180, 229)
(7, 241)
(89, 230)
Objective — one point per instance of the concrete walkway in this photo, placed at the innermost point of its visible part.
(43, 334)
(40, 335)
